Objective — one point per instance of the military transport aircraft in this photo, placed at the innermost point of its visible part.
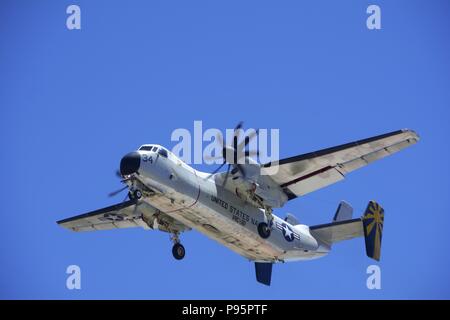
(235, 207)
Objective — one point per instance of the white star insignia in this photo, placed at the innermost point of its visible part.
(287, 232)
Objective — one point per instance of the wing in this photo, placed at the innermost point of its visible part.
(124, 215)
(305, 173)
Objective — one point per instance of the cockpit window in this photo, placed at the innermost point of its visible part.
(146, 148)
(163, 152)
(154, 149)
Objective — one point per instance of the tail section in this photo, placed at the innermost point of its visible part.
(373, 221)
(343, 227)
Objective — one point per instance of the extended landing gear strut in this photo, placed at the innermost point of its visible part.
(264, 228)
(178, 250)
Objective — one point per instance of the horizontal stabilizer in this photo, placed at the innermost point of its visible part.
(338, 231)
(263, 272)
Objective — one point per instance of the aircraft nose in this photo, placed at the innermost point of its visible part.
(130, 163)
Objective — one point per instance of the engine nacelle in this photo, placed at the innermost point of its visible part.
(261, 194)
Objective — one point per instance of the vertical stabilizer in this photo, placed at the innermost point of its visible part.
(373, 221)
(344, 212)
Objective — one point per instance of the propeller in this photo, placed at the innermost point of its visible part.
(112, 194)
(231, 154)
(125, 187)
(122, 180)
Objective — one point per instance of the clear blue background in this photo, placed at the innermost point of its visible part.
(73, 102)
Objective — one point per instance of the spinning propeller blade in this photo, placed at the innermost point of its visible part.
(112, 194)
(233, 153)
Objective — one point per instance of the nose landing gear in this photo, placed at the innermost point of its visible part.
(135, 195)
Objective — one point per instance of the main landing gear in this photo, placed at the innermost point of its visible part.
(264, 229)
(178, 250)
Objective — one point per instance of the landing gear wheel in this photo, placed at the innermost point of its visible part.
(178, 251)
(263, 230)
(135, 195)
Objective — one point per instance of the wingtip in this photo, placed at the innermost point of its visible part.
(60, 224)
(412, 132)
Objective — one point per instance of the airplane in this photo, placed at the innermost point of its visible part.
(235, 207)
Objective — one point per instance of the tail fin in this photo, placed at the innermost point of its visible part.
(373, 221)
(344, 212)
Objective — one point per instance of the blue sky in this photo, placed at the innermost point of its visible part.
(72, 103)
